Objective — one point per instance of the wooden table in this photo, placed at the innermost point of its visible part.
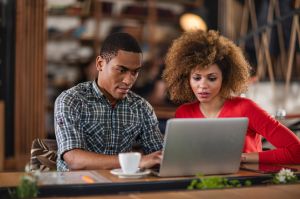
(273, 192)
(11, 179)
(155, 187)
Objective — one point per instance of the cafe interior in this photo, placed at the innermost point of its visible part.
(48, 46)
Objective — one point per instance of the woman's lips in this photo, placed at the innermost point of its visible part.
(203, 94)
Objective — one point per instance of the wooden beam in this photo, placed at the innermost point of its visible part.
(265, 46)
(2, 119)
(291, 52)
(30, 75)
(151, 21)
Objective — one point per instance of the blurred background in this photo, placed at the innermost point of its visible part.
(47, 46)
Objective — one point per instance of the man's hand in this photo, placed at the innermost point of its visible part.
(151, 160)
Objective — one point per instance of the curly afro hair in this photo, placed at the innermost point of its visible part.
(202, 49)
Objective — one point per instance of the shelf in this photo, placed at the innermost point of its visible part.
(83, 10)
(75, 63)
(65, 14)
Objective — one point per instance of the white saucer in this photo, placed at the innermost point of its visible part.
(138, 174)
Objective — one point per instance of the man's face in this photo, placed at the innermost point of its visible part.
(116, 77)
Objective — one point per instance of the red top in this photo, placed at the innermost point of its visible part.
(260, 124)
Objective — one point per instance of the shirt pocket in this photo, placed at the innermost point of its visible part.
(129, 135)
(96, 136)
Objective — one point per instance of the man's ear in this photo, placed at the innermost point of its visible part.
(99, 63)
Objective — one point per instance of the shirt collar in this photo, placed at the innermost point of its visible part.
(96, 90)
(99, 94)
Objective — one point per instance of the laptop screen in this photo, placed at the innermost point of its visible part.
(206, 146)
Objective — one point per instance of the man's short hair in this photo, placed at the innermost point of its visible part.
(118, 41)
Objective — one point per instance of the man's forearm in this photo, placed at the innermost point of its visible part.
(78, 159)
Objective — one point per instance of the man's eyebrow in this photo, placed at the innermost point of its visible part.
(125, 68)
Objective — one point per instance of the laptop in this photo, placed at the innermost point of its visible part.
(202, 146)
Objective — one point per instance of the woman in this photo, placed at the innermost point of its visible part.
(209, 72)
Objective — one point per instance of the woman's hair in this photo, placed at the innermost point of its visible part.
(202, 49)
(118, 41)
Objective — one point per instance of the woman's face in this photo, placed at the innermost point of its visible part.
(206, 83)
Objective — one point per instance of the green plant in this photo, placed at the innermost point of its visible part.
(215, 183)
(26, 189)
(284, 176)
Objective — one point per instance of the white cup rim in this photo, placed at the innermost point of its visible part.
(137, 153)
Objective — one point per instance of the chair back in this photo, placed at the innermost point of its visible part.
(43, 154)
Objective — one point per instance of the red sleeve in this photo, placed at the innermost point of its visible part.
(180, 112)
(286, 142)
(188, 110)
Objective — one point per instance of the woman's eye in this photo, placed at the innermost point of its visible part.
(212, 79)
(196, 78)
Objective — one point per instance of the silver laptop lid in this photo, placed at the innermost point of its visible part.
(207, 146)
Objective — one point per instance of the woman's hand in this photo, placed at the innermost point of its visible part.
(249, 157)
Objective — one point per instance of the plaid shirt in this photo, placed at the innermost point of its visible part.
(85, 119)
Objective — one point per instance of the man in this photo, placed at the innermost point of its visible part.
(94, 121)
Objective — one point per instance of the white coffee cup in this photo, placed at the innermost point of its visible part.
(129, 162)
